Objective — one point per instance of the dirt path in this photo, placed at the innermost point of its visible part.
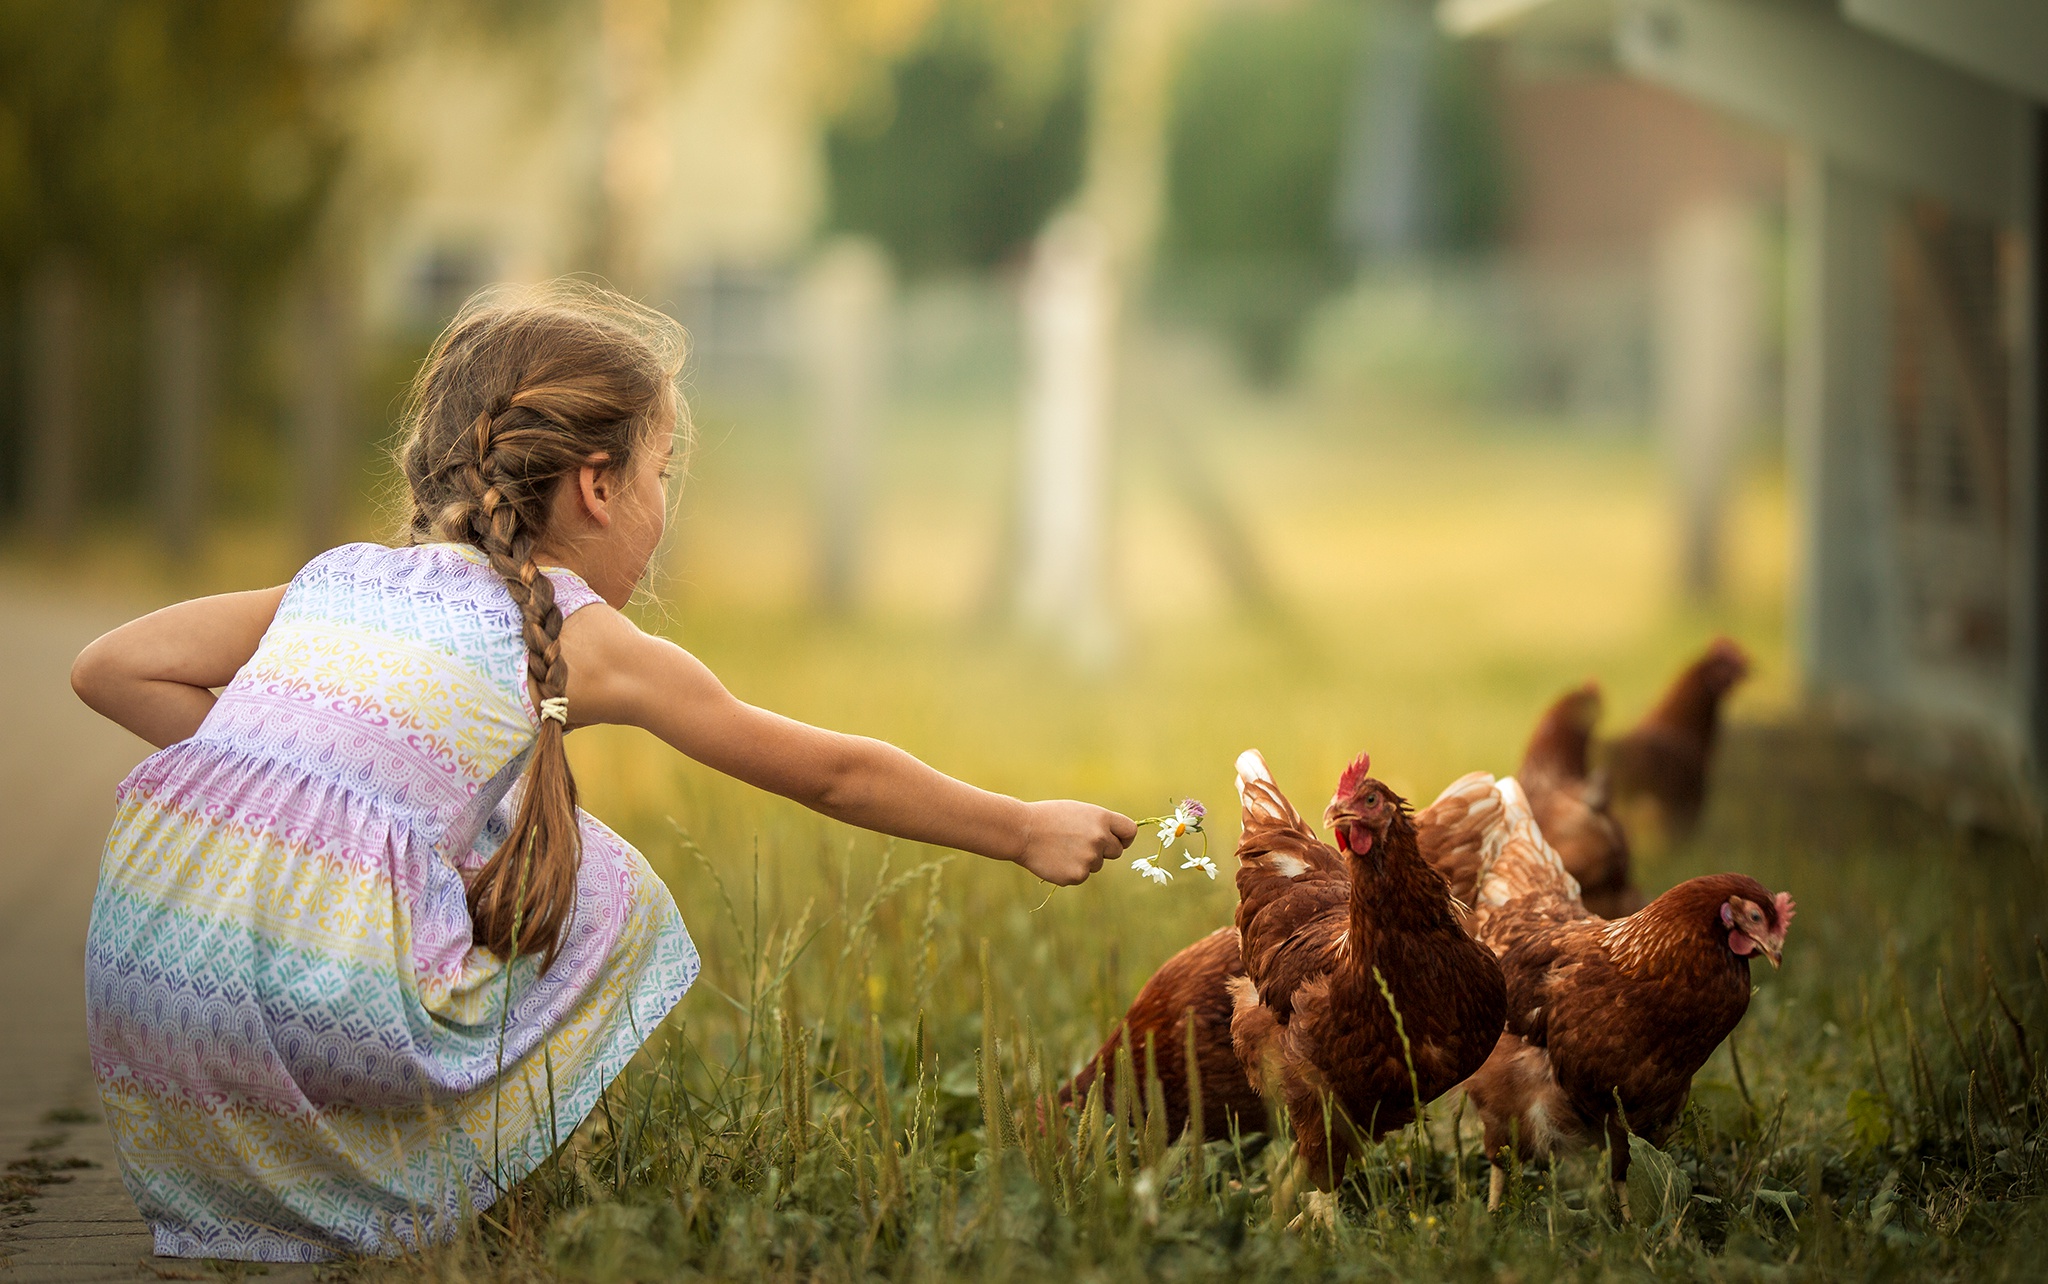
(64, 1216)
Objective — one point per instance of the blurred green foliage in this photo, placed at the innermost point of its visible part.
(1256, 132)
(131, 129)
(133, 133)
(952, 168)
(1268, 116)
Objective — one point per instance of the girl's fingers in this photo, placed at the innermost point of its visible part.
(1124, 828)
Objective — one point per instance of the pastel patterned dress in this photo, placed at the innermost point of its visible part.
(299, 1051)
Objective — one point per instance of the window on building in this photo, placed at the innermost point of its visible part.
(1956, 290)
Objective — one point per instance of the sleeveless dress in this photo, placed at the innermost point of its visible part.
(299, 1051)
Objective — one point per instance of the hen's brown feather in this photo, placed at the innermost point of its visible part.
(1451, 832)
(1570, 804)
(1193, 983)
(1665, 758)
(1288, 880)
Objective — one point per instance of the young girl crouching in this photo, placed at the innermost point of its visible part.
(357, 962)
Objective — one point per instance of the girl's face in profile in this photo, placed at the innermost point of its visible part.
(613, 557)
(643, 505)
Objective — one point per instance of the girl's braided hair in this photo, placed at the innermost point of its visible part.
(522, 390)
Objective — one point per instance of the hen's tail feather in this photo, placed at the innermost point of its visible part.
(1251, 765)
(1263, 804)
(1559, 748)
(1515, 860)
(1451, 832)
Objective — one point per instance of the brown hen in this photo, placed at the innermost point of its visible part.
(1336, 942)
(1570, 805)
(1607, 1021)
(1664, 760)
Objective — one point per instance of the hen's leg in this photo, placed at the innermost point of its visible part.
(1617, 1165)
(1319, 1152)
(1494, 1140)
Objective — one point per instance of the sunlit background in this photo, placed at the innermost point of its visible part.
(1419, 346)
(1086, 390)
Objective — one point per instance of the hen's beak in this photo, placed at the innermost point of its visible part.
(1773, 951)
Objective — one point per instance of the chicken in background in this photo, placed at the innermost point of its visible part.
(1607, 1021)
(1663, 762)
(1569, 801)
(1336, 942)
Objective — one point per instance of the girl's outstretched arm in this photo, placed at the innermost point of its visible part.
(618, 674)
(154, 675)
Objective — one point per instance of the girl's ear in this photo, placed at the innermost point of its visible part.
(597, 486)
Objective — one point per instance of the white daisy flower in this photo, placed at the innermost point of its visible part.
(1186, 819)
(1157, 873)
(1191, 861)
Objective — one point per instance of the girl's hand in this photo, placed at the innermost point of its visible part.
(1065, 842)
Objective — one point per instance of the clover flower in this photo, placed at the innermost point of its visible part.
(1186, 819)
(1157, 873)
(1191, 861)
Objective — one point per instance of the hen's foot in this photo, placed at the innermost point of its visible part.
(1496, 1186)
(1621, 1201)
(1320, 1212)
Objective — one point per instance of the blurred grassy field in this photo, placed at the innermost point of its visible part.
(846, 1093)
(1441, 582)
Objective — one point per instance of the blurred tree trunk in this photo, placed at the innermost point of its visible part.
(1131, 99)
(636, 161)
(846, 314)
(181, 392)
(324, 333)
(56, 379)
(1708, 334)
(1382, 209)
(1070, 301)
(1085, 264)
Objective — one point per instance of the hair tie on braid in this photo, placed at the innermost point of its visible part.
(556, 708)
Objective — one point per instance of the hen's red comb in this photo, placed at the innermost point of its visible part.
(1783, 904)
(1354, 773)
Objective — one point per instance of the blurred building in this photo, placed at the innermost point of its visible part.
(1603, 166)
(1918, 310)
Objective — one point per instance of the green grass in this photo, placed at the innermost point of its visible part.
(851, 1090)
(855, 1087)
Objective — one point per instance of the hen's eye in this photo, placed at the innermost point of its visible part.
(1373, 799)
